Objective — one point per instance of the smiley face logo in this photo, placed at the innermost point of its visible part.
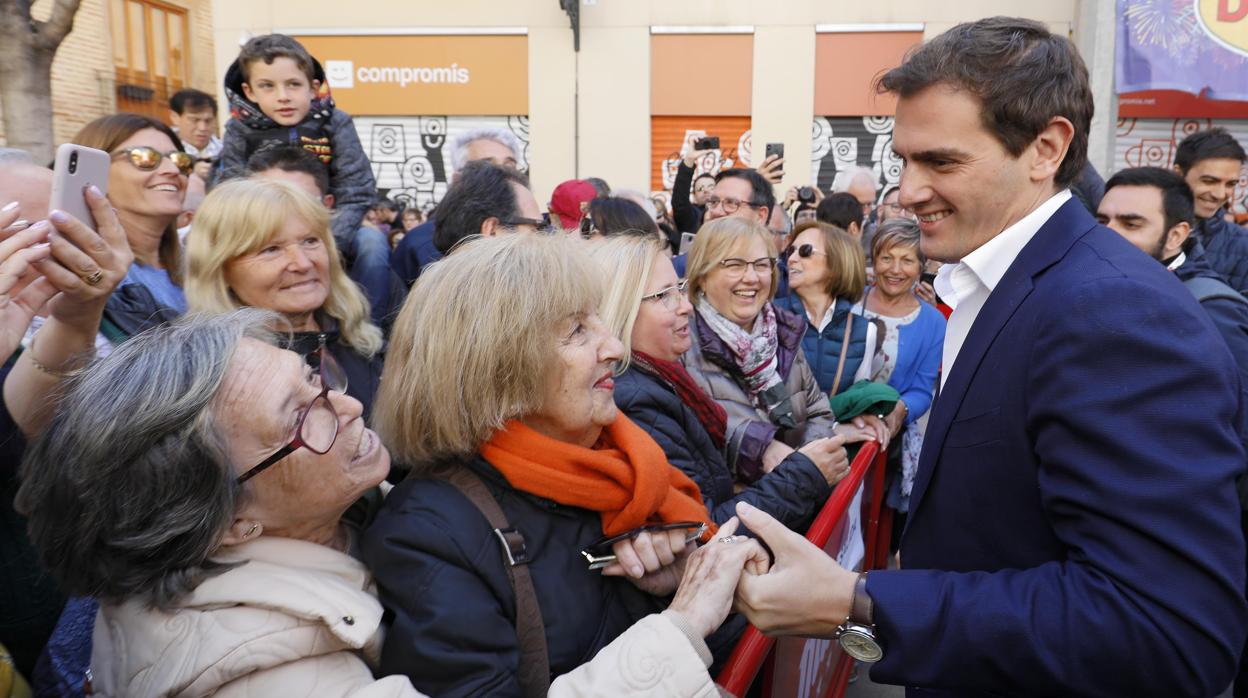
(340, 74)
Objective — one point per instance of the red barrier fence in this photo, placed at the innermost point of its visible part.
(754, 648)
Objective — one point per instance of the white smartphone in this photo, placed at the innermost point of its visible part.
(78, 167)
(686, 242)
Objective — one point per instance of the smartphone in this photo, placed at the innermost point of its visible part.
(706, 143)
(929, 277)
(686, 242)
(776, 149)
(76, 168)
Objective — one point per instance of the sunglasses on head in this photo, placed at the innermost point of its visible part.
(148, 159)
(803, 251)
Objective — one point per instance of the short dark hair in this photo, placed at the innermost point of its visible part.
(481, 190)
(1207, 145)
(385, 204)
(1177, 203)
(612, 215)
(839, 209)
(704, 175)
(290, 158)
(271, 47)
(1023, 75)
(191, 98)
(762, 193)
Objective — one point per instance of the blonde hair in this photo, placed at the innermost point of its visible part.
(625, 261)
(474, 346)
(847, 265)
(717, 240)
(239, 217)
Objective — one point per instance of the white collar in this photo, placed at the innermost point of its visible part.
(988, 263)
(1177, 262)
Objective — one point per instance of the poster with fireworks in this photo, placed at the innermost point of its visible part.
(1196, 46)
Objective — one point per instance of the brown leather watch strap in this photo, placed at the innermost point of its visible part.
(861, 610)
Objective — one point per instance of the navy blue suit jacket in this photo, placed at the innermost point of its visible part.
(1074, 527)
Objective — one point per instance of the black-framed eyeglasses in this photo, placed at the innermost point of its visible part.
(670, 296)
(803, 251)
(737, 267)
(318, 425)
(728, 204)
(147, 159)
(600, 553)
(519, 221)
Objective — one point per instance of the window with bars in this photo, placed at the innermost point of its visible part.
(150, 54)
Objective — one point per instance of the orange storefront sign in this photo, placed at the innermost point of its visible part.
(415, 75)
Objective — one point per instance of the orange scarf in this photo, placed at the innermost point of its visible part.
(625, 477)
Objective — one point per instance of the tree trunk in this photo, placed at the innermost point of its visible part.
(26, 96)
(27, 47)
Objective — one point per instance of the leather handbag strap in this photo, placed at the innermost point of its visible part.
(534, 670)
(840, 363)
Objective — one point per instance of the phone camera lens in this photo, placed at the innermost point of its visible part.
(73, 163)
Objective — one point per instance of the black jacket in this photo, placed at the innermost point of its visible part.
(1230, 317)
(1226, 249)
(132, 309)
(440, 574)
(363, 373)
(686, 214)
(792, 493)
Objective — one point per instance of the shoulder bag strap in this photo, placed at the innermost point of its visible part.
(840, 363)
(534, 670)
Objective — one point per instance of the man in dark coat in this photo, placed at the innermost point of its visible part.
(1074, 527)
(1210, 161)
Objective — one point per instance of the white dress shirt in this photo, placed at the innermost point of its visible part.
(965, 286)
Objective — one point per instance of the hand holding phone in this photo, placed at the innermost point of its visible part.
(706, 143)
(76, 168)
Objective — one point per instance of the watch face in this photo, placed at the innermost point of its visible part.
(860, 645)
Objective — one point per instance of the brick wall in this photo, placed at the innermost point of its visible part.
(82, 73)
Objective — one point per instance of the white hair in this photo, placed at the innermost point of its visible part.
(845, 178)
(640, 199)
(501, 136)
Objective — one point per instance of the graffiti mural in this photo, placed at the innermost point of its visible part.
(1152, 142)
(843, 143)
(411, 157)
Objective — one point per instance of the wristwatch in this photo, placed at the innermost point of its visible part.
(857, 634)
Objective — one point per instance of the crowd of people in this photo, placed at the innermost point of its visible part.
(266, 433)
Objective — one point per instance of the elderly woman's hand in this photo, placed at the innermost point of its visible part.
(829, 457)
(772, 169)
(707, 588)
(925, 292)
(85, 266)
(22, 290)
(653, 561)
(896, 420)
(775, 454)
(877, 427)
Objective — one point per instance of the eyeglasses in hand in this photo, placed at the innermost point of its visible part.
(601, 553)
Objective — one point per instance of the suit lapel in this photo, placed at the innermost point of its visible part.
(1049, 245)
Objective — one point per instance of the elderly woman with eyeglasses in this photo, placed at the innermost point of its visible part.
(645, 306)
(501, 401)
(266, 243)
(746, 353)
(196, 482)
(146, 184)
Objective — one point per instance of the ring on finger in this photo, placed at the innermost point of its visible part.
(94, 278)
(729, 539)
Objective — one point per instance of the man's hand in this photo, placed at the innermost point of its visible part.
(804, 593)
(692, 155)
(772, 169)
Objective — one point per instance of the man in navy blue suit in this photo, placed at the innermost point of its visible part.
(1074, 527)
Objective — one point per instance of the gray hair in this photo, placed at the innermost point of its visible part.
(501, 136)
(130, 488)
(16, 156)
(845, 178)
(897, 232)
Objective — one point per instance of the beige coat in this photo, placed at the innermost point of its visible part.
(300, 619)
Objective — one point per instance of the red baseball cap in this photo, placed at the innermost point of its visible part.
(567, 199)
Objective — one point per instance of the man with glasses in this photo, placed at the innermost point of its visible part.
(741, 192)
(485, 200)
